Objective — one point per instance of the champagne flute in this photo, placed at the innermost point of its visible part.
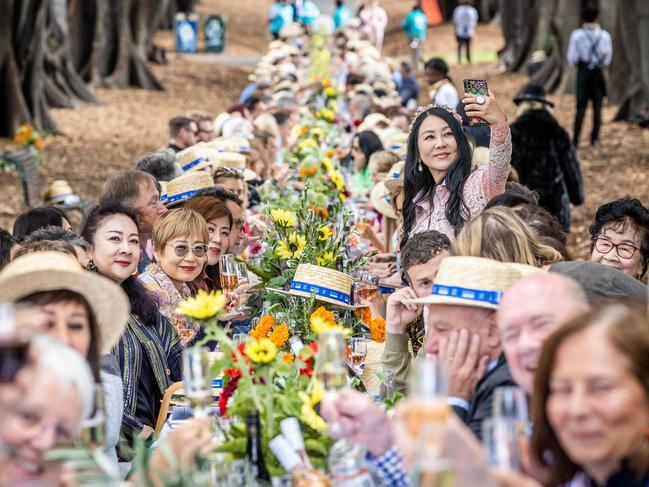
(331, 367)
(358, 352)
(428, 402)
(501, 442)
(510, 402)
(196, 378)
(228, 272)
(242, 278)
(93, 430)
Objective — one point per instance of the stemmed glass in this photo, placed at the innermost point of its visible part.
(366, 287)
(357, 353)
(93, 429)
(243, 278)
(510, 425)
(228, 272)
(196, 379)
(331, 367)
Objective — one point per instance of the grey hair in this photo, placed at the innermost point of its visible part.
(68, 367)
(57, 233)
(160, 164)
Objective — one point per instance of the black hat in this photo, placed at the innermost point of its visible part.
(533, 93)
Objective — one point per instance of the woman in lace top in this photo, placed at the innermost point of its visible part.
(442, 190)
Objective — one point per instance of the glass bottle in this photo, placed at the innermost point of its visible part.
(348, 466)
(253, 450)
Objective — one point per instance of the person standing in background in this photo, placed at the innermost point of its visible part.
(342, 15)
(409, 89)
(374, 20)
(442, 91)
(280, 14)
(415, 25)
(465, 19)
(590, 49)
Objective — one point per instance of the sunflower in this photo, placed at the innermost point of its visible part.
(293, 248)
(338, 179)
(202, 306)
(279, 336)
(324, 233)
(308, 414)
(261, 351)
(321, 320)
(283, 218)
(326, 259)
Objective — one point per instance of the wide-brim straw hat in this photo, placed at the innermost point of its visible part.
(230, 144)
(60, 192)
(372, 121)
(194, 158)
(327, 285)
(381, 200)
(398, 143)
(163, 191)
(184, 187)
(52, 271)
(394, 178)
(471, 281)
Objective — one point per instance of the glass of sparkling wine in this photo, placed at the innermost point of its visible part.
(427, 398)
(196, 379)
(228, 272)
(366, 287)
(331, 368)
(510, 402)
(93, 429)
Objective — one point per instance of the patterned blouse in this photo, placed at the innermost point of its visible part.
(160, 286)
(483, 183)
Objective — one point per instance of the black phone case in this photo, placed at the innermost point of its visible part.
(476, 87)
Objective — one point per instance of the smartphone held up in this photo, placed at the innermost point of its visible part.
(479, 88)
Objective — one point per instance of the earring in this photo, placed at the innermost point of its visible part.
(91, 266)
(419, 168)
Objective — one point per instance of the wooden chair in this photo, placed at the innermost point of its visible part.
(166, 402)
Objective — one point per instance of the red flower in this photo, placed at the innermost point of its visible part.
(226, 395)
(233, 373)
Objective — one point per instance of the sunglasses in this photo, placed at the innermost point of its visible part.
(199, 250)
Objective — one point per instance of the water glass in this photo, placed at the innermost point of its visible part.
(501, 442)
(427, 395)
(196, 379)
(510, 402)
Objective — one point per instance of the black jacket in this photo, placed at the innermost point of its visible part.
(546, 162)
(480, 405)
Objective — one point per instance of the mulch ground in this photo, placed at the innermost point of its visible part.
(96, 141)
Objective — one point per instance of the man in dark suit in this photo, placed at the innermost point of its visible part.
(462, 332)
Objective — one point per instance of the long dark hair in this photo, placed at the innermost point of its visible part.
(142, 304)
(369, 143)
(419, 186)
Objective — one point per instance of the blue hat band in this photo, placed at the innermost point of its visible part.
(323, 292)
(476, 295)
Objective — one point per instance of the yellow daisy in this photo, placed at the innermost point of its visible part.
(261, 351)
(283, 218)
(324, 233)
(326, 259)
(202, 306)
(293, 248)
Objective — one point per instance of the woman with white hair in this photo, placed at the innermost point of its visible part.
(56, 391)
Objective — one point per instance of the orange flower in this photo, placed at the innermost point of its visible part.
(312, 171)
(377, 329)
(321, 318)
(263, 327)
(330, 153)
(38, 143)
(279, 336)
(303, 172)
(288, 358)
(364, 314)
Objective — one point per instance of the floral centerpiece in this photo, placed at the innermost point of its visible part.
(263, 374)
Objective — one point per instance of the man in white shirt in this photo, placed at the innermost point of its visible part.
(465, 19)
(590, 49)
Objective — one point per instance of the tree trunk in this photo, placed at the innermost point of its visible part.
(633, 30)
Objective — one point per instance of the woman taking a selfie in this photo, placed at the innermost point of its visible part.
(442, 190)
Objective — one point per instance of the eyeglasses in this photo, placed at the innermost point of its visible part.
(199, 250)
(624, 251)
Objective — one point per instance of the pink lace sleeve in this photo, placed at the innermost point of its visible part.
(500, 157)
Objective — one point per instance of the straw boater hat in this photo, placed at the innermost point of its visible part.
(184, 187)
(394, 177)
(398, 143)
(52, 271)
(381, 200)
(372, 121)
(163, 191)
(194, 158)
(59, 192)
(230, 144)
(471, 281)
(236, 161)
(327, 285)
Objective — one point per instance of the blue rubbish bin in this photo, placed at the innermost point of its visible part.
(186, 31)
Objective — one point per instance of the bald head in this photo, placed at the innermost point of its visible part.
(531, 309)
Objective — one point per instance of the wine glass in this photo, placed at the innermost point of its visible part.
(510, 402)
(331, 367)
(366, 287)
(428, 391)
(243, 278)
(228, 272)
(358, 352)
(196, 378)
(93, 429)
